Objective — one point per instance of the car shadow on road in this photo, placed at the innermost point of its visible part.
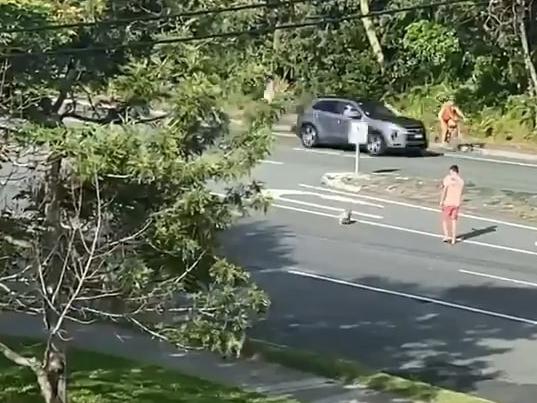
(444, 346)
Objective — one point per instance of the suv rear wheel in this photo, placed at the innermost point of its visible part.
(309, 135)
(376, 145)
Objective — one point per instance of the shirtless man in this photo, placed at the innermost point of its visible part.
(450, 203)
(449, 117)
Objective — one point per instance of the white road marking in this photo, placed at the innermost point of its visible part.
(322, 206)
(415, 206)
(413, 231)
(301, 210)
(485, 244)
(327, 152)
(277, 193)
(271, 162)
(306, 150)
(414, 297)
(496, 161)
(491, 276)
(284, 134)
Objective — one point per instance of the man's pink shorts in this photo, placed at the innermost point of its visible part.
(450, 212)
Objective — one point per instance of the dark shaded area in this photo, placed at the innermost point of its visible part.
(445, 346)
(439, 345)
(478, 232)
(269, 245)
(386, 170)
(425, 154)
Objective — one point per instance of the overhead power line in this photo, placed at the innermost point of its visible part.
(320, 20)
(166, 17)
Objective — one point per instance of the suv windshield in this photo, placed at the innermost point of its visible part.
(375, 109)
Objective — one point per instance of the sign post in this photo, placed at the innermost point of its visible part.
(358, 136)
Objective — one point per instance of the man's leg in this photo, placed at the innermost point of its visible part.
(454, 230)
(444, 131)
(445, 226)
(454, 220)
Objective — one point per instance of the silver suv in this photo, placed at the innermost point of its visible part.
(326, 122)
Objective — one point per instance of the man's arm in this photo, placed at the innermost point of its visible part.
(443, 194)
(459, 112)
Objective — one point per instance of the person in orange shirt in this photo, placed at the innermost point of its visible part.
(450, 203)
(449, 117)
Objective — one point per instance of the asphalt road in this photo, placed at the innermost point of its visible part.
(385, 290)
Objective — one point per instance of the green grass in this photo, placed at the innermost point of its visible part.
(96, 378)
(351, 372)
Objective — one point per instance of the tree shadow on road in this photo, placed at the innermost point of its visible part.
(256, 244)
(445, 346)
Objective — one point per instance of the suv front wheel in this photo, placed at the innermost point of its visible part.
(309, 135)
(376, 145)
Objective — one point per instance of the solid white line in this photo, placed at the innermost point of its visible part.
(415, 206)
(496, 161)
(306, 150)
(340, 154)
(491, 276)
(415, 297)
(413, 231)
(322, 206)
(283, 134)
(272, 162)
(485, 244)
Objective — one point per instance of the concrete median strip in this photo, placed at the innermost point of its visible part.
(309, 208)
(513, 208)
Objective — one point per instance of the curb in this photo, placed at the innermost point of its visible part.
(489, 152)
(508, 154)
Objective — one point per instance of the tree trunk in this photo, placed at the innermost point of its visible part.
(526, 51)
(372, 36)
(52, 376)
(52, 379)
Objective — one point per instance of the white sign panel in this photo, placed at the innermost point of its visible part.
(357, 132)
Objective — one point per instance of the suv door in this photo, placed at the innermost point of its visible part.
(326, 116)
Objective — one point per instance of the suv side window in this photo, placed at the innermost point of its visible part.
(326, 106)
(347, 107)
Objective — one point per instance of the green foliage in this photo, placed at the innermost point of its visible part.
(124, 204)
(509, 121)
(430, 43)
(97, 378)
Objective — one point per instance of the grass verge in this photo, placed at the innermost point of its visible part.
(96, 378)
(351, 372)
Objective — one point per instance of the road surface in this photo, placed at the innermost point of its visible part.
(385, 290)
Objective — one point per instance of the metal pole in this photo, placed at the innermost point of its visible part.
(357, 160)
